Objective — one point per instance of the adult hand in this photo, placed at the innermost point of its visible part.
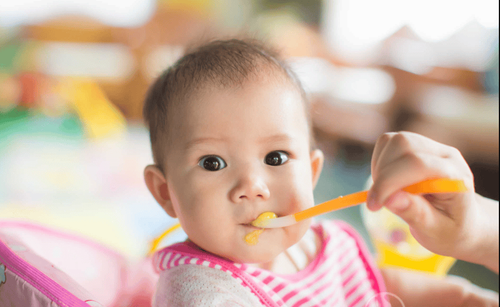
(459, 225)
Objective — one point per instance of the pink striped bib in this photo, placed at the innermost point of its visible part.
(342, 274)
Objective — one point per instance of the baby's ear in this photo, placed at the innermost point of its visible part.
(317, 159)
(157, 185)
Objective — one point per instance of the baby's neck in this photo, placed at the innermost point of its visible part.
(295, 258)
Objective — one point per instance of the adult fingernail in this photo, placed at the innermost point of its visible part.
(399, 201)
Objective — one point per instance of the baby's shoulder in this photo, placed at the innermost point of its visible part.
(182, 277)
(197, 285)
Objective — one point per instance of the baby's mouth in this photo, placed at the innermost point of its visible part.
(250, 226)
(260, 218)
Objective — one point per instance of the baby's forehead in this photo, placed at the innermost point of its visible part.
(239, 95)
(267, 75)
(253, 103)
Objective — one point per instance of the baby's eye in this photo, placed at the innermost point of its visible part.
(212, 163)
(276, 158)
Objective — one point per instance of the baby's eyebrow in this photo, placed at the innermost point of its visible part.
(282, 137)
(202, 140)
(277, 138)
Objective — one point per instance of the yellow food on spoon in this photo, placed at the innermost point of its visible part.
(253, 237)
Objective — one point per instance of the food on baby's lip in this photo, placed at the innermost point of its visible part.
(253, 237)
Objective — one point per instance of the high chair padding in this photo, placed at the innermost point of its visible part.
(44, 267)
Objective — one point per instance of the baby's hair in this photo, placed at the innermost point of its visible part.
(220, 63)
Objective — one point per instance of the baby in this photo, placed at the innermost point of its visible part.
(232, 138)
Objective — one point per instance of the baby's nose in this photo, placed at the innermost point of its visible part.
(250, 188)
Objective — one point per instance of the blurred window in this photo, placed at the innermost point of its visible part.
(354, 28)
(124, 13)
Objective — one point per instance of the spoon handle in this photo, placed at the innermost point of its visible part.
(441, 185)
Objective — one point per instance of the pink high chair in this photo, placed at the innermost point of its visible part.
(41, 267)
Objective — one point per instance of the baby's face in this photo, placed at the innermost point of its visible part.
(235, 154)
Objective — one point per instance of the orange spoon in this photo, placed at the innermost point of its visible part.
(441, 185)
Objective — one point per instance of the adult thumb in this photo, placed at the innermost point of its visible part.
(414, 210)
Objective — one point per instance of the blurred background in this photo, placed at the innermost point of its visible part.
(73, 75)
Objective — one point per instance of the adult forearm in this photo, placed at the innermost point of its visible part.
(420, 289)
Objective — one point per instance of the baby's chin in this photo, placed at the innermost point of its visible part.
(271, 246)
(255, 255)
(244, 253)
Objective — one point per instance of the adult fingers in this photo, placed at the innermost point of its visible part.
(417, 212)
(408, 169)
(380, 145)
(391, 146)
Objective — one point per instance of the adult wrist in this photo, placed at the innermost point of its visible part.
(486, 250)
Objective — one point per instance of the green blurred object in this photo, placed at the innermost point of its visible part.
(21, 121)
(12, 117)
(308, 11)
(8, 53)
(475, 273)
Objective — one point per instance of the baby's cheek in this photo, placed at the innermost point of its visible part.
(297, 231)
(299, 202)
